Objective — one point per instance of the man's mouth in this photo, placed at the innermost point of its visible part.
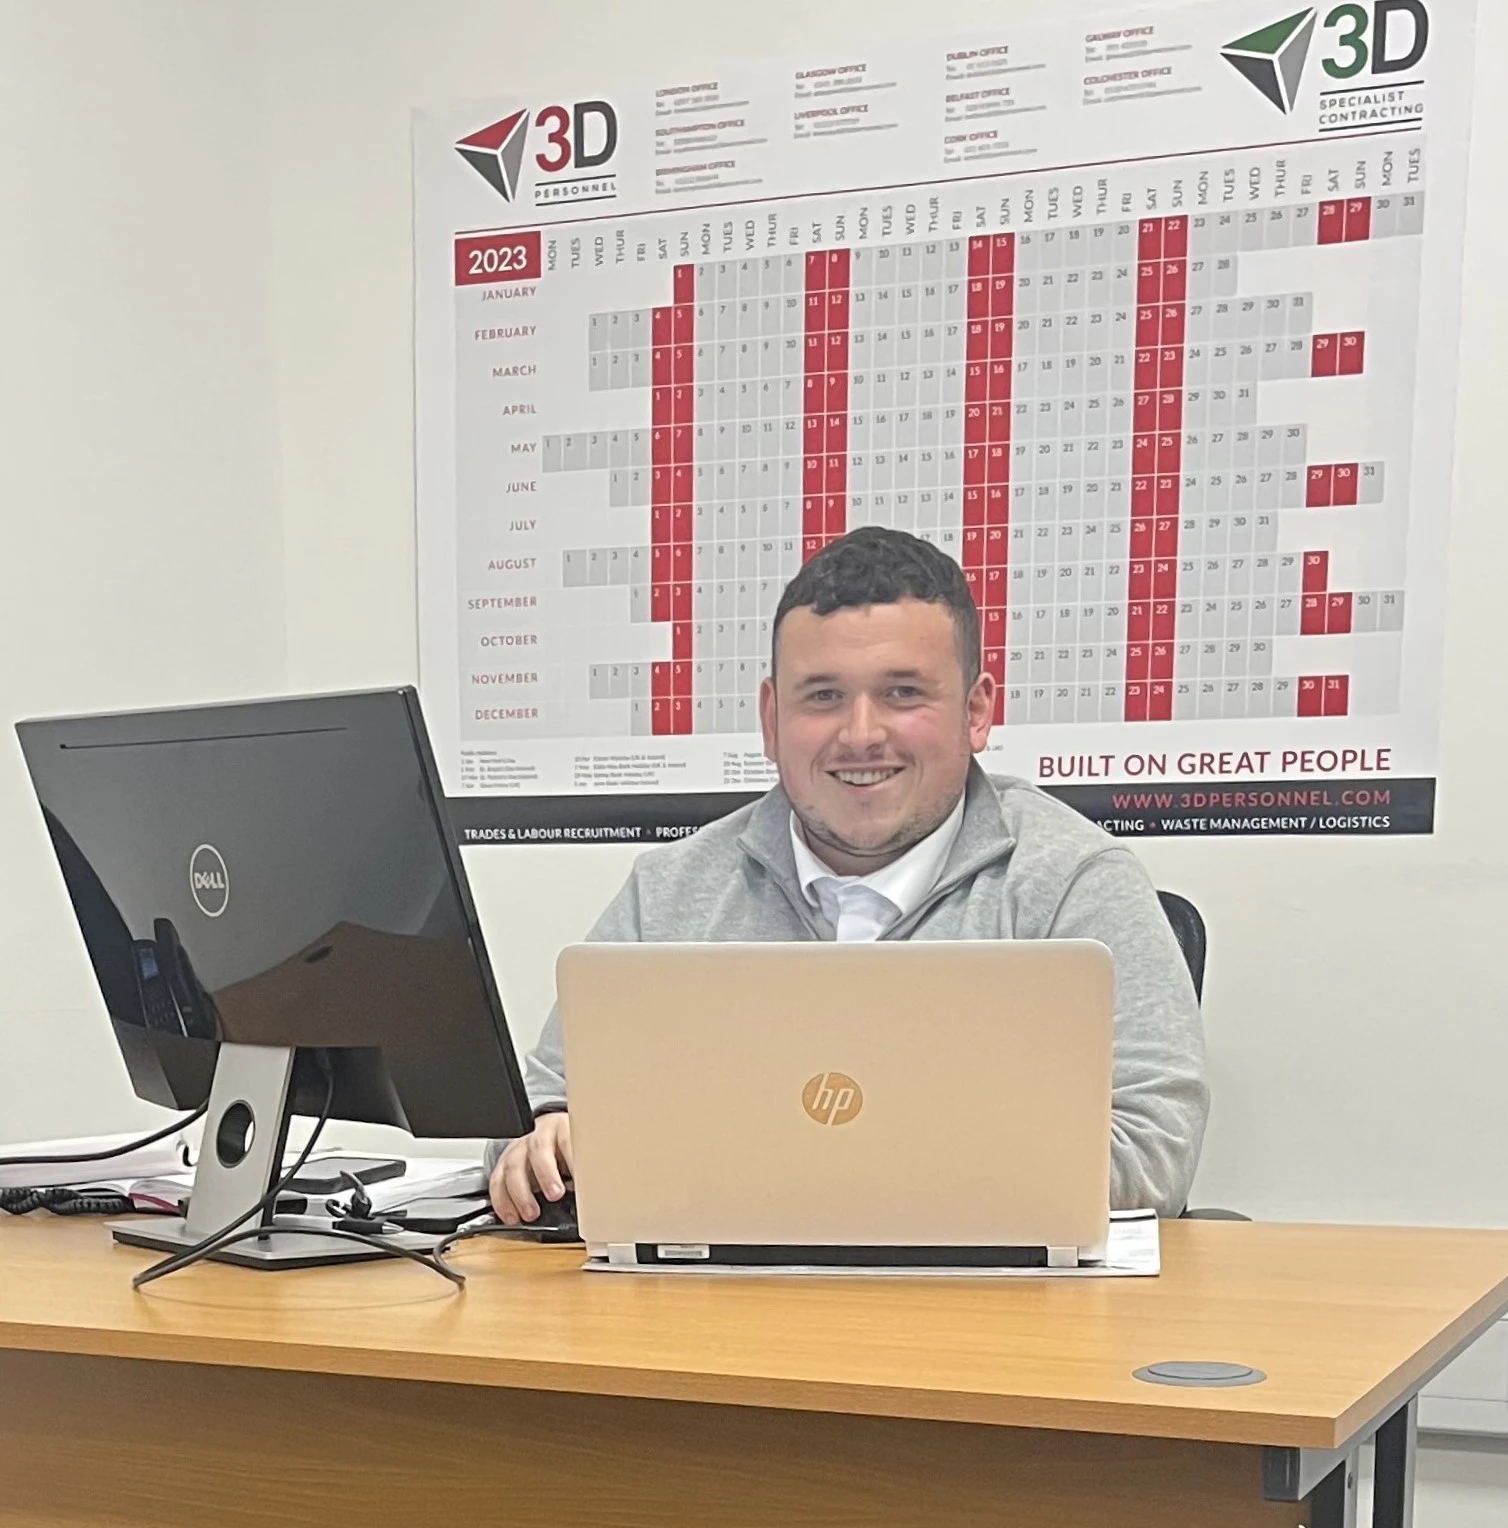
(865, 778)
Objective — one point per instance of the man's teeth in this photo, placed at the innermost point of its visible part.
(863, 776)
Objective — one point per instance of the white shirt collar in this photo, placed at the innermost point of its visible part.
(905, 883)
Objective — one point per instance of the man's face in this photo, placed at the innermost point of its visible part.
(869, 723)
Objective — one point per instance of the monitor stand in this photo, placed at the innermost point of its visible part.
(239, 1161)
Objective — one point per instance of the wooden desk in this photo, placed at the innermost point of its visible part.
(375, 1394)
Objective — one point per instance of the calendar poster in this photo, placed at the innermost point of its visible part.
(1151, 324)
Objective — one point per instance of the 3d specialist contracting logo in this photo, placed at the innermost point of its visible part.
(832, 1098)
(582, 139)
(209, 881)
(1362, 38)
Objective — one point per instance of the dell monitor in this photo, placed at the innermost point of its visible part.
(275, 908)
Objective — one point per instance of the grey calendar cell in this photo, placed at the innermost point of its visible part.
(1290, 579)
(1207, 699)
(597, 372)
(1264, 536)
(1196, 364)
(1225, 281)
(638, 681)
(1277, 229)
(1303, 226)
(1274, 317)
(597, 333)
(597, 569)
(1238, 571)
(1288, 615)
(640, 329)
(1364, 613)
(1285, 698)
(639, 718)
(1384, 223)
(1264, 618)
(1390, 610)
(703, 595)
(1269, 496)
(620, 684)
(550, 454)
(576, 453)
(1199, 322)
(620, 566)
(1235, 651)
(1411, 213)
(1244, 403)
(1300, 315)
(1064, 702)
(573, 569)
(1204, 661)
(1259, 654)
(1248, 312)
(1370, 489)
(619, 370)
(1123, 292)
(1273, 364)
(638, 566)
(638, 604)
(1248, 361)
(597, 450)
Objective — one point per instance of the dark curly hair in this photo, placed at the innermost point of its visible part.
(875, 565)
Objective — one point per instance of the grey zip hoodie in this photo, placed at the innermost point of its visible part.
(1024, 866)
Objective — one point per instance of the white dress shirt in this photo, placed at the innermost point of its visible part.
(865, 907)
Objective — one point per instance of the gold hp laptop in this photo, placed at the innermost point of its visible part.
(841, 1105)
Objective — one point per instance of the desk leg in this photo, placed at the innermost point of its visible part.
(1333, 1504)
(1393, 1475)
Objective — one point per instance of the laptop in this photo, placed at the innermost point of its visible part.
(900, 1104)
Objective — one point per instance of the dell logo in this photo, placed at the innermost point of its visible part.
(832, 1098)
(209, 881)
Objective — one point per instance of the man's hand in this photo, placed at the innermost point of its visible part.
(537, 1163)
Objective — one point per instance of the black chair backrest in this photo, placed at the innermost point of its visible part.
(1188, 928)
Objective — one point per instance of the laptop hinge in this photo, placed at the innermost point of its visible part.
(1062, 1257)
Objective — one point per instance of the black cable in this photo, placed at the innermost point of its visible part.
(213, 1242)
(490, 1228)
(65, 1201)
(114, 1151)
(388, 1249)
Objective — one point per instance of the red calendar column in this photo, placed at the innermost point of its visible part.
(664, 454)
(683, 511)
(997, 467)
(835, 396)
(814, 409)
(1157, 467)
(976, 417)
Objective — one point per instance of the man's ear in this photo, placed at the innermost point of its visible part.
(767, 718)
(981, 710)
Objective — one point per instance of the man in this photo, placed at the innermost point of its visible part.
(884, 827)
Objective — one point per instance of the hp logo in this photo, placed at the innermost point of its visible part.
(832, 1098)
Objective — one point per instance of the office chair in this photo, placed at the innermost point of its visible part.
(1188, 929)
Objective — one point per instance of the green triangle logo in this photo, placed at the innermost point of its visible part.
(1273, 57)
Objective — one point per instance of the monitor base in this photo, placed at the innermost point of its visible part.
(273, 1250)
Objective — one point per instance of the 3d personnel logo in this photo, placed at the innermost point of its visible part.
(579, 138)
(832, 1098)
(209, 881)
(1273, 57)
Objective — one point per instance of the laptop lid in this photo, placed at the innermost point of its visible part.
(840, 1095)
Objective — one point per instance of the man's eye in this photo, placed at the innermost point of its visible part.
(822, 697)
(905, 692)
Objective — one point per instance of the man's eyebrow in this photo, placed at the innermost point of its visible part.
(808, 680)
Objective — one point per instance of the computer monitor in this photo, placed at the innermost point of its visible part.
(275, 908)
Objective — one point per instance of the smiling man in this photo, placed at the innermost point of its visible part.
(884, 827)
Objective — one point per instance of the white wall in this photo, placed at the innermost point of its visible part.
(206, 485)
(141, 547)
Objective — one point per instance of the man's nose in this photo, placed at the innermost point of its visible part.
(863, 726)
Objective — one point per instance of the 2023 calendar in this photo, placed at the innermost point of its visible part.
(1150, 324)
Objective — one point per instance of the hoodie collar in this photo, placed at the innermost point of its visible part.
(982, 839)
